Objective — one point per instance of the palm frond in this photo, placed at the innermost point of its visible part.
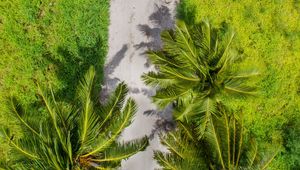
(252, 153)
(206, 35)
(123, 120)
(184, 75)
(185, 42)
(19, 113)
(187, 131)
(166, 160)
(243, 74)
(182, 152)
(166, 96)
(16, 145)
(227, 143)
(225, 56)
(88, 119)
(114, 104)
(188, 107)
(214, 140)
(158, 80)
(270, 159)
(170, 46)
(50, 106)
(159, 58)
(224, 145)
(184, 112)
(123, 150)
(236, 87)
(173, 146)
(208, 108)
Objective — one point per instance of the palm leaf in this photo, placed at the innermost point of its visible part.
(87, 116)
(50, 106)
(170, 47)
(269, 160)
(187, 131)
(19, 112)
(116, 128)
(182, 153)
(172, 146)
(185, 42)
(244, 74)
(225, 57)
(180, 74)
(123, 150)
(114, 104)
(206, 40)
(27, 154)
(235, 87)
(166, 96)
(183, 112)
(158, 80)
(252, 153)
(208, 108)
(159, 58)
(165, 160)
(214, 140)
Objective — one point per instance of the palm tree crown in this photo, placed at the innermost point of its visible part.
(225, 145)
(81, 136)
(194, 70)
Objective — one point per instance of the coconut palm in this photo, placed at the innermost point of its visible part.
(83, 135)
(195, 71)
(225, 145)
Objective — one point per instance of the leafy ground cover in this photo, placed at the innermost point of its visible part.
(52, 42)
(268, 32)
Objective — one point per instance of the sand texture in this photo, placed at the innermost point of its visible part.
(135, 27)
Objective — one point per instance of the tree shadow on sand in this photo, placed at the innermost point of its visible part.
(110, 83)
(161, 20)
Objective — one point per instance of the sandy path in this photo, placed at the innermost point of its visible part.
(126, 62)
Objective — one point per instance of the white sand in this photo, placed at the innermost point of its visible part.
(127, 63)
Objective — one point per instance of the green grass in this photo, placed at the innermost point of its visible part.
(52, 42)
(269, 34)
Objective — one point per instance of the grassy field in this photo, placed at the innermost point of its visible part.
(268, 32)
(52, 42)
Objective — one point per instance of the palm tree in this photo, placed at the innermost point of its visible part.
(195, 71)
(81, 136)
(225, 145)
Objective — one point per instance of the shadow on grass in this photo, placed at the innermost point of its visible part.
(186, 13)
(71, 68)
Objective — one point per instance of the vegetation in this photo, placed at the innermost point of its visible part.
(79, 136)
(267, 32)
(52, 42)
(201, 74)
(196, 72)
(225, 145)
